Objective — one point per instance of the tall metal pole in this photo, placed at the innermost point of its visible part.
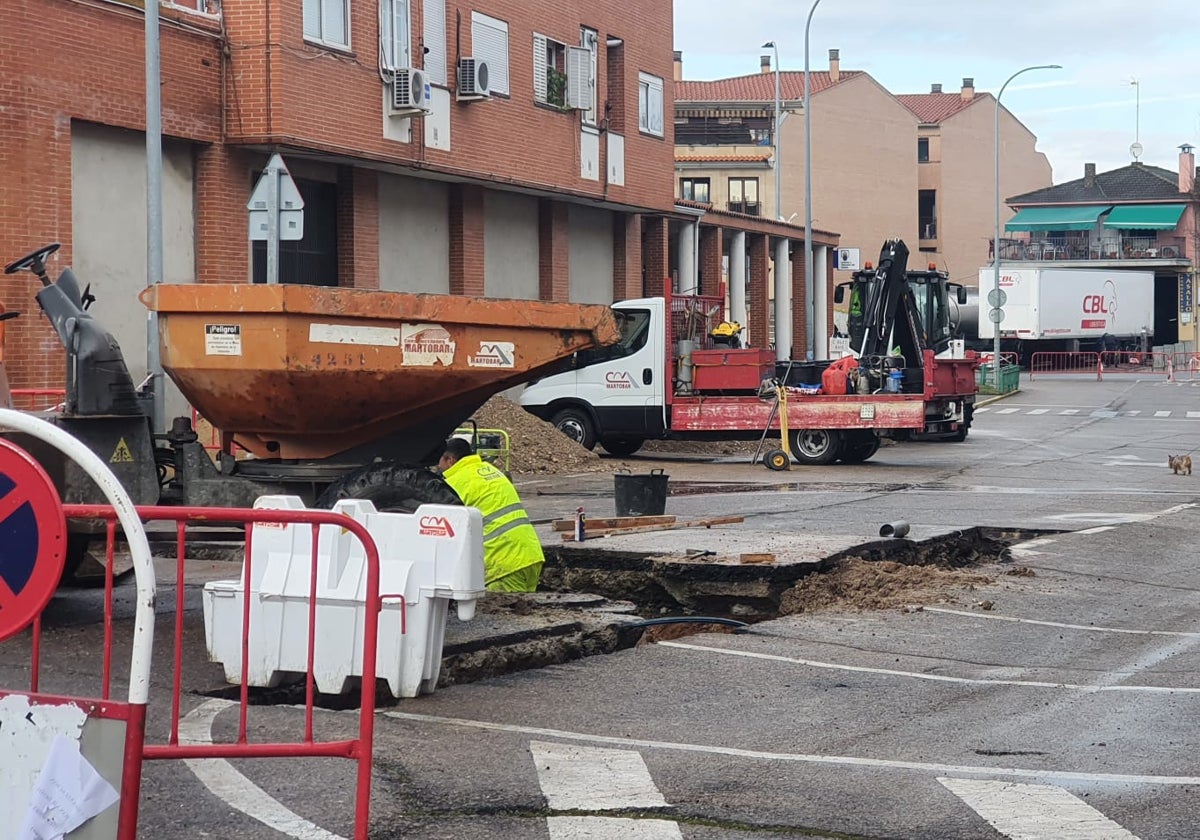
(1137, 111)
(154, 222)
(808, 250)
(996, 233)
(778, 159)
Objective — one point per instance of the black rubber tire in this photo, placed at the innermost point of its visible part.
(964, 428)
(816, 447)
(776, 460)
(859, 449)
(620, 447)
(392, 487)
(576, 424)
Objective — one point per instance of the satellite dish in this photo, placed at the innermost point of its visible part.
(1136, 150)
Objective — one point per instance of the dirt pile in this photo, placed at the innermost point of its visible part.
(708, 447)
(537, 447)
(857, 584)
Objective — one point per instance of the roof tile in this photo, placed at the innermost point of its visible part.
(758, 87)
(935, 107)
(1136, 182)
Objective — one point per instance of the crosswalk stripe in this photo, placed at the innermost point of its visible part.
(1039, 411)
(1069, 411)
(983, 410)
(576, 777)
(1133, 413)
(1035, 812)
(1192, 415)
(1008, 411)
(1162, 414)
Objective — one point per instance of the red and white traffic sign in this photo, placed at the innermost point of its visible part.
(33, 539)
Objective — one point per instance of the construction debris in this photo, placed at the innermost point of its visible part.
(537, 447)
(857, 584)
(756, 558)
(613, 522)
(642, 529)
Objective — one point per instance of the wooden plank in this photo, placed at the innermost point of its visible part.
(756, 558)
(599, 523)
(643, 529)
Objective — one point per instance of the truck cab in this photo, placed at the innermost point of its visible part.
(616, 395)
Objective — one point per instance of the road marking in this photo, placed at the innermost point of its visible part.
(1064, 776)
(891, 672)
(1101, 528)
(1035, 812)
(1192, 415)
(983, 410)
(1039, 411)
(1008, 411)
(584, 778)
(1091, 628)
(231, 787)
(1070, 411)
(1162, 414)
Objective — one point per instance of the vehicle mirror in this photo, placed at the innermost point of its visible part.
(962, 294)
(839, 294)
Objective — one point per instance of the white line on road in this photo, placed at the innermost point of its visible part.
(584, 778)
(1097, 530)
(1038, 411)
(1192, 415)
(982, 410)
(1008, 411)
(231, 787)
(1134, 413)
(1088, 627)
(580, 778)
(1162, 414)
(1035, 812)
(1070, 411)
(835, 666)
(1064, 776)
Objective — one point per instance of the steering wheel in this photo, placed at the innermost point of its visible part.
(27, 262)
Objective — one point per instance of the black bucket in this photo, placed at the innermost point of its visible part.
(640, 495)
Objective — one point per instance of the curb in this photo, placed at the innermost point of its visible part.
(996, 398)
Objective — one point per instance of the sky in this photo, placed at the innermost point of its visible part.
(1087, 112)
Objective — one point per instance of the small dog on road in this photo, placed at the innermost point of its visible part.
(1180, 464)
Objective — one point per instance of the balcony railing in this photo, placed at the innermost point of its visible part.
(1087, 248)
(928, 229)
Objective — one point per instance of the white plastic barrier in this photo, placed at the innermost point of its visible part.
(432, 556)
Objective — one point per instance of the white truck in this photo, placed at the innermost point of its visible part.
(1057, 307)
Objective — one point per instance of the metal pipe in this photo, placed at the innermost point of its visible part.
(808, 252)
(894, 529)
(996, 232)
(154, 222)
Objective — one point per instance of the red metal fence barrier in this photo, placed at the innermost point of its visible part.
(37, 399)
(134, 713)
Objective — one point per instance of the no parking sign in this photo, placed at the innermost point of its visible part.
(33, 539)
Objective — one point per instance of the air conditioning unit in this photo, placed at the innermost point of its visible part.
(473, 79)
(410, 92)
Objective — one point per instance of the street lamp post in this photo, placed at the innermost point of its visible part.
(778, 169)
(809, 296)
(996, 240)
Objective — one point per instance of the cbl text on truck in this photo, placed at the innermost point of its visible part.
(677, 373)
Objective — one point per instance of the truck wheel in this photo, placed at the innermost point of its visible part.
(964, 427)
(859, 449)
(816, 446)
(577, 425)
(391, 487)
(622, 446)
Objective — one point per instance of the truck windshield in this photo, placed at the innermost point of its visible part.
(634, 327)
(931, 301)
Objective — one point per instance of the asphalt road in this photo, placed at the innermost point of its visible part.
(1064, 712)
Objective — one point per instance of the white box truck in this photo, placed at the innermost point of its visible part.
(1058, 306)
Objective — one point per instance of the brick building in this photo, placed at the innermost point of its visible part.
(548, 175)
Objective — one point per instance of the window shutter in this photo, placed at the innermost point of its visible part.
(435, 41)
(579, 78)
(489, 43)
(540, 83)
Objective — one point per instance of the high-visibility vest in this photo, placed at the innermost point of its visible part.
(509, 541)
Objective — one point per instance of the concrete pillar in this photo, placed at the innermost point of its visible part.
(783, 299)
(821, 258)
(686, 249)
(737, 277)
(759, 320)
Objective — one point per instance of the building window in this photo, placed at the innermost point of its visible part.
(922, 150)
(394, 34)
(327, 22)
(927, 213)
(589, 39)
(549, 71)
(650, 104)
(489, 43)
(435, 41)
(743, 196)
(694, 189)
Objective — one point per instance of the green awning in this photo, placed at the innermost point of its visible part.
(1145, 216)
(1057, 218)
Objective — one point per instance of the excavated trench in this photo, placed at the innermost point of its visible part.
(595, 601)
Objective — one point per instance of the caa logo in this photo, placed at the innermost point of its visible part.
(619, 379)
(435, 526)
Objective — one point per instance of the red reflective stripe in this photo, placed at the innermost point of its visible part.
(11, 503)
(7, 596)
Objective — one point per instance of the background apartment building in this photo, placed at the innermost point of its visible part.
(528, 153)
(916, 166)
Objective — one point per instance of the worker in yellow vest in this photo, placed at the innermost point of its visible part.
(512, 552)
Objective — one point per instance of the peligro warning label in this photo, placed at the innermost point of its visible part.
(223, 339)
